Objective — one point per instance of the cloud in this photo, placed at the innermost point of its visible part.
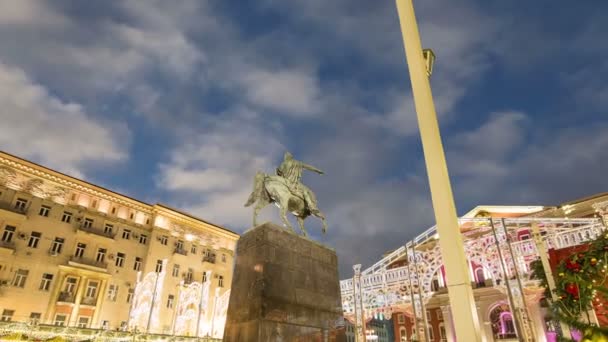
(211, 173)
(506, 160)
(58, 134)
(291, 92)
(29, 12)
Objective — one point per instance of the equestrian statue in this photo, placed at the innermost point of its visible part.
(287, 192)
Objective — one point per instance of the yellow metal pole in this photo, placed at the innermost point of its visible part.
(462, 303)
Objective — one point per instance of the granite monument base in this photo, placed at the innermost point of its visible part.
(285, 288)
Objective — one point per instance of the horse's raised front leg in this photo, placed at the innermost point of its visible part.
(301, 224)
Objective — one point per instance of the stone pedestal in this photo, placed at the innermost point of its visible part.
(285, 288)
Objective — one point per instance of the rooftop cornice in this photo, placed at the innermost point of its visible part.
(70, 182)
(193, 222)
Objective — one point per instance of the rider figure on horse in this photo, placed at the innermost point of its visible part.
(291, 170)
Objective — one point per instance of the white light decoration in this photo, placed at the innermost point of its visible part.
(146, 301)
(192, 308)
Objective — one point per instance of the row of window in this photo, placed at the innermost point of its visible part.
(430, 335)
(401, 317)
(188, 276)
(66, 217)
(60, 319)
(21, 204)
(88, 223)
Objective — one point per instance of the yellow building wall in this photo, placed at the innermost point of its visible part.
(38, 186)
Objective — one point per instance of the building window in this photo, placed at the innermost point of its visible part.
(112, 292)
(204, 277)
(220, 281)
(113, 210)
(164, 239)
(34, 239)
(21, 204)
(137, 265)
(7, 315)
(101, 255)
(120, 259)
(126, 234)
(193, 249)
(20, 278)
(143, 239)
(57, 245)
(60, 320)
(35, 317)
(7, 235)
(130, 295)
(44, 211)
(159, 266)
(88, 223)
(179, 245)
(83, 322)
(80, 247)
(92, 289)
(402, 334)
(442, 334)
(170, 300)
(401, 318)
(108, 229)
(70, 284)
(431, 337)
(224, 258)
(428, 315)
(45, 283)
(94, 204)
(131, 216)
(189, 274)
(67, 217)
(439, 315)
(175, 272)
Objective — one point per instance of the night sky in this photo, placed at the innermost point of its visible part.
(181, 102)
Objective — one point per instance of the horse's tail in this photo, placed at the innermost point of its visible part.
(258, 182)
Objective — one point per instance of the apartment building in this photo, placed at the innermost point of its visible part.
(77, 255)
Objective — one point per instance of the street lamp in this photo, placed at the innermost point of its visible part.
(420, 64)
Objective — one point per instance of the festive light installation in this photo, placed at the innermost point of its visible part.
(193, 304)
(146, 304)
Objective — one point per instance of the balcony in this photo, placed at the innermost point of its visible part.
(66, 297)
(90, 264)
(209, 258)
(91, 301)
(180, 251)
(13, 212)
(96, 231)
(7, 248)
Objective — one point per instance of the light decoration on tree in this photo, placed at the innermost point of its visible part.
(581, 285)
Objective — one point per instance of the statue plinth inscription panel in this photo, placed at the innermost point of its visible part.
(285, 288)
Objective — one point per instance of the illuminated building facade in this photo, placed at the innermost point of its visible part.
(74, 254)
(408, 285)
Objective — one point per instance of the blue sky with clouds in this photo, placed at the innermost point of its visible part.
(180, 102)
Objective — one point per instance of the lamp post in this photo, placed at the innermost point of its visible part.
(462, 304)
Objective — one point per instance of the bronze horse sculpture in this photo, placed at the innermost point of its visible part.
(286, 192)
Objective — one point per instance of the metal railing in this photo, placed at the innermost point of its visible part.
(12, 208)
(209, 258)
(66, 297)
(180, 251)
(88, 262)
(7, 244)
(96, 231)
